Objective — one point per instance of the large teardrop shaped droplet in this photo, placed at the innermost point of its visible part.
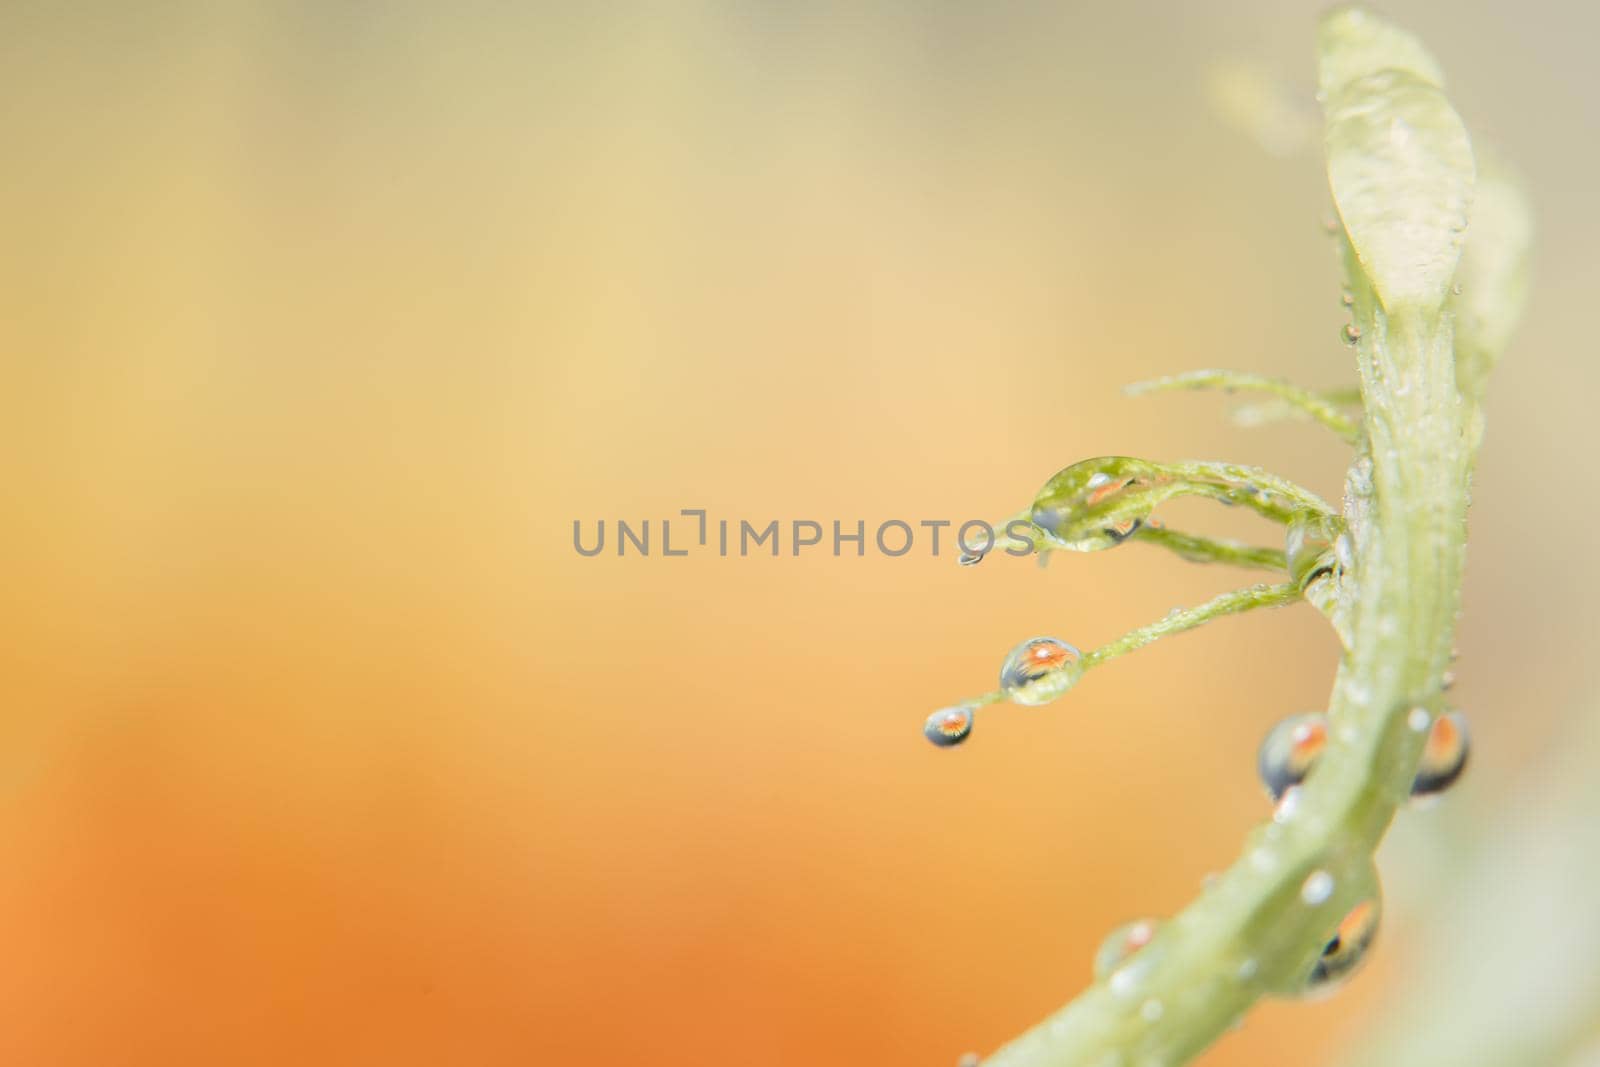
(1444, 755)
(1289, 751)
(949, 726)
(1039, 670)
(1122, 943)
(1096, 503)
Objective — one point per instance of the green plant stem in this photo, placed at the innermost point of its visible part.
(1304, 401)
(1270, 411)
(1198, 549)
(1233, 602)
(1252, 932)
(1402, 174)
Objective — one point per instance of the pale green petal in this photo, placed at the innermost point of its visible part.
(1399, 160)
(1492, 277)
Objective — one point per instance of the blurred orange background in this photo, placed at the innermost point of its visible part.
(324, 322)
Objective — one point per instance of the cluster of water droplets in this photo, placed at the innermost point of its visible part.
(1099, 503)
(1037, 671)
(1292, 747)
(1287, 757)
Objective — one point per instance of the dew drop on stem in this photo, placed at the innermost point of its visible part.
(1347, 950)
(1039, 670)
(1444, 755)
(1289, 751)
(949, 726)
(1120, 945)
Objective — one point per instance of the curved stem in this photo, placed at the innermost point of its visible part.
(1252, 931)
(1198, 549)
(1233, 602)
(1304, 401)
(1260, 927)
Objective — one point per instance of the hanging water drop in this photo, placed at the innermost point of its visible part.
(1444, 755)
(1097, 503)
(1122, 943)
(1039, 670)
(949, 726)
(1347, 949)
(1289, 751)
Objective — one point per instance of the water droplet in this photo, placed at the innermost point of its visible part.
(1289, 751)
(1456, 289)
(1444, 755)
(1344, 550)
(1317, 888)
(1351, 333)
(1347, 949)
(949, 726)
(1309, 547)
(1248, 969)
(967, 559)
(1151, 1010)
(1347, 298)
(1419, 719)
(1097, 503)
(1121, 944)
(1039, 670)
(1126, 980)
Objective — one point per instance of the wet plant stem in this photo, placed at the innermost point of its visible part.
(1251, 932)
(1259, 927)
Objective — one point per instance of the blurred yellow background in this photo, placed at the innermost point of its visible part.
(324, 322)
